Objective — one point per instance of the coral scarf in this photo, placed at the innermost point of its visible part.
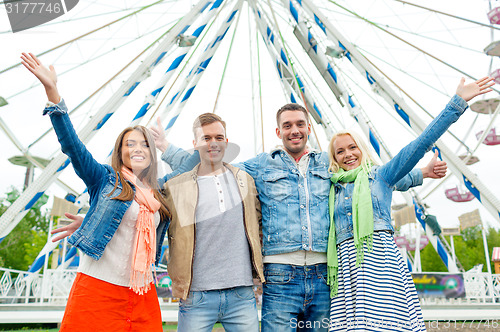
(144, 253)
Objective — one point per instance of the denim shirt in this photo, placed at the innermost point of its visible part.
(104, 214)
(294, 208)
(384, 179)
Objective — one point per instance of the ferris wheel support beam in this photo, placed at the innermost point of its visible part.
(326, 70)
(151, 98)
(457, 166)
(198, 70)
(290, 82)
(21, 206)
(39, 55)
(345, 99)
(28, 156)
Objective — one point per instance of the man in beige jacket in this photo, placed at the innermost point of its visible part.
(214, 243)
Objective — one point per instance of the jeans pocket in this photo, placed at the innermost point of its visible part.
(194, 298)
(277, 277)
(322, 274)
(244, 293)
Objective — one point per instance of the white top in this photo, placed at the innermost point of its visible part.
(116, 261)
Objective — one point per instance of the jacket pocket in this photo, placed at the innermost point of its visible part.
(377, 193)
(277, 185)
(320, 183)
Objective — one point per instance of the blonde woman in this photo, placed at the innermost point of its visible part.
(371, 287)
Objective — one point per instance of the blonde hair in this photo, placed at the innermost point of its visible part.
(366, 155)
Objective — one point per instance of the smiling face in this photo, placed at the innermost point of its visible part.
(293, 131)
(346, 152)
(211, 142)
(135, 152)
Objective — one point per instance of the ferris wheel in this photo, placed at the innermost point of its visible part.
(383, 67)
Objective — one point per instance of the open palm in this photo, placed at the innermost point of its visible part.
(471, 90)
(47, 76)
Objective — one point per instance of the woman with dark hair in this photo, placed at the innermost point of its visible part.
(123, 230)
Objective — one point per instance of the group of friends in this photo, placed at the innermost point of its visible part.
(313, 227)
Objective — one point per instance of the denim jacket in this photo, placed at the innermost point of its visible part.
(294, 208)
(384, 179)
(104, 214)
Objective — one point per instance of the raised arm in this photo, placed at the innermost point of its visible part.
(187, 164)
(409, 156)
(86, 167)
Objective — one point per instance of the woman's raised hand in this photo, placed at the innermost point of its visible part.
(47, 76)
(471, 90)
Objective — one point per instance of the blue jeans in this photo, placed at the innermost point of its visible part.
(234, 307)
(295, 298)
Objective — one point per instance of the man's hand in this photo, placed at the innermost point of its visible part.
(435, 169)
(159, 136)
(69, 229)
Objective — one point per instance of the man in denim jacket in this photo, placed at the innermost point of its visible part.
(293, 184)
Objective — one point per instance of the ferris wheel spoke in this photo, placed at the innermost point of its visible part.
(85, 34)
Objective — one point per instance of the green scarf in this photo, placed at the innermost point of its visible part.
(362, 219)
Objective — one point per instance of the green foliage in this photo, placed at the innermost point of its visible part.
(20, 248)
(431, 262)
(469, 249)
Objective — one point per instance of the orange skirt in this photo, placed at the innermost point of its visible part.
(96, 305)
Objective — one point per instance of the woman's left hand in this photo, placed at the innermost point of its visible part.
(471, 90)
(68, 230)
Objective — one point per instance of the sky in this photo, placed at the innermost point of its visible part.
(427, 60)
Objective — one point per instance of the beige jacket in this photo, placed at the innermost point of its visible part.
(182, 199)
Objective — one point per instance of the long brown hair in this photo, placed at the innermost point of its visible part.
(148, 176)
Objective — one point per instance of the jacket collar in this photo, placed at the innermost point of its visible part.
(194, 172)
(280, 148)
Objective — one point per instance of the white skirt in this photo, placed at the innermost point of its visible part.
(379, 295)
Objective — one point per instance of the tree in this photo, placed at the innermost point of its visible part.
(19, 249)
(430, 260)
(469, 249)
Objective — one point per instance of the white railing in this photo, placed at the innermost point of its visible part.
(26, 287)
(53, 287)
(480, 288)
